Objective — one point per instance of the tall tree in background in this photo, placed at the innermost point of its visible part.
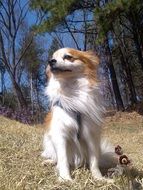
(61, 17)
(30, 64)
(112, 28)
(118, 21)
(12, 17)
(88, 27)
(116, 17)
(113, 76)
(2, 73)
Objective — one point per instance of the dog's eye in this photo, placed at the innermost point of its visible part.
(68, 57)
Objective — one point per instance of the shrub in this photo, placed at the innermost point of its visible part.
(24, 115)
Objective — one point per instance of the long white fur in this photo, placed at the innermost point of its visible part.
(61, 143)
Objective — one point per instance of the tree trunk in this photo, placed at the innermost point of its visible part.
(126, 67)
(138, 49)
(135, 28)
(2, 92)
(31, 92)
(19, 95)
(141, 38)
(115, 86)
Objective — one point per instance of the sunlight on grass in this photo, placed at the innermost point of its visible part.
(20, 161)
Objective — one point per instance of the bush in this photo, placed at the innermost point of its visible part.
(23, 115)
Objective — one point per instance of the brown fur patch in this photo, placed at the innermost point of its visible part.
(48, 72)
(48, 120)
(91, 62)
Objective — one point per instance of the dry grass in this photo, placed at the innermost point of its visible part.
(20, 161)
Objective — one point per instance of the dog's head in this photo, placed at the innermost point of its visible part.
(67, 62)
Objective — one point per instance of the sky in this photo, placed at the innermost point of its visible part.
(66, 38)
(46, 39)
(45, 42)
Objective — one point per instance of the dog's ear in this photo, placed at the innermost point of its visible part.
(87, 57)
(92, 58)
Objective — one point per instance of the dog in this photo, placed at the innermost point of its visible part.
(74, 124)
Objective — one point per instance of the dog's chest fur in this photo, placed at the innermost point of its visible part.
(74, 94)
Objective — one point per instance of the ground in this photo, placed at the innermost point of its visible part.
(20, 161)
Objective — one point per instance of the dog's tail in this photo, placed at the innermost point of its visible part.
(108, 159)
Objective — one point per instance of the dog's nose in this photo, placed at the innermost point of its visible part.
(52, 62)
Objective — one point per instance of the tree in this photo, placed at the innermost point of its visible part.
(30, 65)
(104, 22)
(59, 17)
(12, 16)
(2, 82)
(118, 18)
(113, 76)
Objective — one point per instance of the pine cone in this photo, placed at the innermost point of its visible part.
(123, 160)
(118, 150)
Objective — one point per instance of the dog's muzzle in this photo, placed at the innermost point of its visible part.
(54, 68)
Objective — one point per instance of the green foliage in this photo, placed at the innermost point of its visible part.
(55, 12)
(122, 19)
(32, 58)
(107, 15)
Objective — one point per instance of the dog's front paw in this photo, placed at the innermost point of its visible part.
(96, 174)
(65, 179)
(48, 162)
(103, 179)
(44, 154)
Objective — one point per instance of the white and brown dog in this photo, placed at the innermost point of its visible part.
(73, 126)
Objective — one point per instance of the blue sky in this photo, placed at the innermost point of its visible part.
(46, 39)
(67, 40)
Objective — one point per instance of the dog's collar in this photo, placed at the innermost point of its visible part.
(77, 114)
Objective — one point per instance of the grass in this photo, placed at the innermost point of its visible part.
(20, 161)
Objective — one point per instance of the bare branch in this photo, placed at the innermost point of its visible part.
(3, 21)
(13, 14)
(75, 31)
(85, 29)
(78, 21)
(4, 8)
(24, 52)
(71, 34)
(59, 40)
(5, 61)
(123, 24)
(4, 32)
(21, 18)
